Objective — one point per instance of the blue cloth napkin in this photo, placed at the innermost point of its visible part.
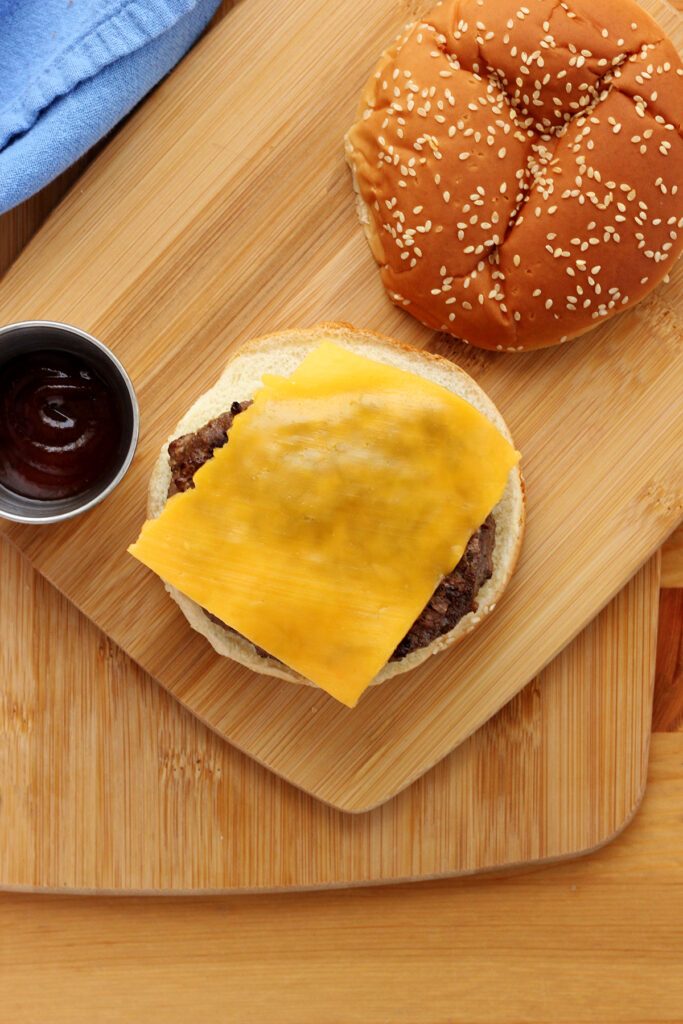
(70, 69)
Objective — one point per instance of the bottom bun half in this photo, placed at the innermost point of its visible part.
(282, 353)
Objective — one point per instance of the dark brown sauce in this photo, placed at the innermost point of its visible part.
(60, 425)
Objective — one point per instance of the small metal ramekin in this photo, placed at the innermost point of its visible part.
(44, 336)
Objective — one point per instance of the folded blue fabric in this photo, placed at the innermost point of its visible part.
(70, 69)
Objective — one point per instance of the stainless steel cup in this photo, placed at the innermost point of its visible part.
(43, 336)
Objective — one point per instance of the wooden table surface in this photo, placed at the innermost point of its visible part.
(598, 939)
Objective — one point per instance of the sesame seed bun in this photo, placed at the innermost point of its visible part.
(282, 353)
(517, 168)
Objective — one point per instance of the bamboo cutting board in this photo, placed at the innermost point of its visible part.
(107, 784)
(223, 210)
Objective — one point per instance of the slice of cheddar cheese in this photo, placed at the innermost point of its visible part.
(320, 531)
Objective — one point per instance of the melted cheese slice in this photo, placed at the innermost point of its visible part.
(320, 531)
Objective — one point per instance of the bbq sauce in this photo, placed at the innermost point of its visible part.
(60, 425)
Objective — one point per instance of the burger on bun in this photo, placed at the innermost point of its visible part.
(336, 509)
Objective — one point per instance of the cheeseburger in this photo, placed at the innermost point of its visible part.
(519, 166)
(336, 509)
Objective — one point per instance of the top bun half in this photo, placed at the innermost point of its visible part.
(519, 168)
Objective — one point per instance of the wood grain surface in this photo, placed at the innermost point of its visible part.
(591, 941)
(115, 786)
(595, 940)
(173, 251)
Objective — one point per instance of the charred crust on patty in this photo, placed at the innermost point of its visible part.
(190, 451)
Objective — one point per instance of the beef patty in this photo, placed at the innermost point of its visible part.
(187, 453)
(455, 596)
